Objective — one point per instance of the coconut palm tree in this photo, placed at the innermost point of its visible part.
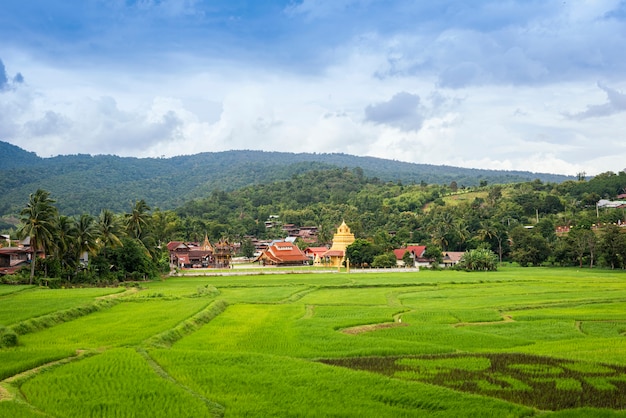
(493, 230)
(110, 230)
(39, 223)
(138, 219)
(65, 241)
(86, 235)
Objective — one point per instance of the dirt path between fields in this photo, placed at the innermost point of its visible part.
(505, 319)
(372, 327)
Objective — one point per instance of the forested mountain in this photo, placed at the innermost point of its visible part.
(87, 184)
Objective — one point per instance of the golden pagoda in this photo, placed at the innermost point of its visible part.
(335, 256)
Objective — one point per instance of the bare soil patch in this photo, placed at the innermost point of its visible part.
(372, 327)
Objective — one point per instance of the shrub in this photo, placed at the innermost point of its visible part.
(386, 260)
(8, 338)
(479, 259)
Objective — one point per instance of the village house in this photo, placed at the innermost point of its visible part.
(315, 254)
(13, 259)
(452, 258)
(417, 256)
(282, 253)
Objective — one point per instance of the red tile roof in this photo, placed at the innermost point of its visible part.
(319, 251)
(417, 250)
(283, 253)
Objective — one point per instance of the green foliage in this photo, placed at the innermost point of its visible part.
(8, 338)
(247, 248)
(130, 262)
(19, 359)
(86, 184)
(433, 252)
(385, 260)
(479, 259)
(361, 253)
(407, 259)
(529, 247)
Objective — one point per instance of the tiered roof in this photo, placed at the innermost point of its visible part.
(283, 253)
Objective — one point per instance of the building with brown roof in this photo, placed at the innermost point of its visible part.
(282, 253)
(192, 255)
(452, 258)
(14, 258)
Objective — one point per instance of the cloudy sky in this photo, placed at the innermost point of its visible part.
(535, 85)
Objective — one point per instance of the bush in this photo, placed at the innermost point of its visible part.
(8, 338)
(479, 259)
(386, 260)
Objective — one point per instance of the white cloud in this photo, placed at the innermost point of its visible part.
(489, 84)
(616, 104)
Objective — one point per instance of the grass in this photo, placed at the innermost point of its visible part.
(118, 382)
(34, 302)
(125, 324)
(516, 342)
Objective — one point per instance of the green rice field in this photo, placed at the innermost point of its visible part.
(519, 342)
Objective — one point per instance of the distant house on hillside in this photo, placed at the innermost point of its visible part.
(603, 203)
(282, 253)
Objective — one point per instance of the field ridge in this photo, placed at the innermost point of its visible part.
(215, 408)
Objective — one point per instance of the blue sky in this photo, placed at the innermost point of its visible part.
(500, 84)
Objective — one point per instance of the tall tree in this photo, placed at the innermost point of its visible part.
(612, 248)
(528, 247)
(493, 230)
(137, 220)
(86, 235)
(110, 230)
(165, 225)
(361, 252)
(582, 242)
(38, 222)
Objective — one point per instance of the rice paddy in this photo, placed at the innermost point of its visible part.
(516, 342)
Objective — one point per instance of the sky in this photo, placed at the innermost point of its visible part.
(534, 85)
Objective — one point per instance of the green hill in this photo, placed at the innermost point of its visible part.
(86, 184)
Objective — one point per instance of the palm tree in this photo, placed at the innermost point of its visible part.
(65, 241)
(489, 230)
(38, 222)
(86, 235)
(137, 219)
(110, 230)
(138, 223)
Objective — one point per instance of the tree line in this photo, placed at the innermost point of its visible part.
(104, 249)
(517, 222)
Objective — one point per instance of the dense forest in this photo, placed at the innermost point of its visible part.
(516, 222)
(88, 184)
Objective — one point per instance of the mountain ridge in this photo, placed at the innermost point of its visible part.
(84, 183)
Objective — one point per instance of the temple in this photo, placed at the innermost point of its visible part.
(336, 255)
(192, 255)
